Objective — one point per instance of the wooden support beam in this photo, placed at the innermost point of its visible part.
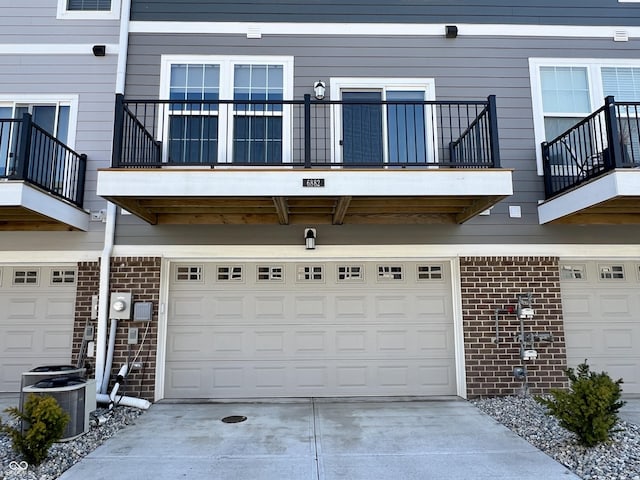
(341, 210)
(282, 209)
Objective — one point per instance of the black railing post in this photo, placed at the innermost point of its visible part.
(614, 159)
(307, 131)
(493, 131)
(546, 170)
(21, 167)
(82, 170)
(118, 131)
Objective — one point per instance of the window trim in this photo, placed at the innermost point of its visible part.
(59, 100)
(594, 77)
(338, 84)
(226, 91)
(64, 14)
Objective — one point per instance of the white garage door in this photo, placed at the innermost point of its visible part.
(37, 307)
(601, 305)
(301, 330)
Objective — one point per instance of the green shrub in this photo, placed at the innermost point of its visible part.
(590, 407)
(44, 422)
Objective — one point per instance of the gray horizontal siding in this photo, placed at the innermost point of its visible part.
(34, 21)
(469, 68)
(93, 80)
(543, 12)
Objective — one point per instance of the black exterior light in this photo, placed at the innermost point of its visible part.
(310, 238)
(99, 50)
(450, 31)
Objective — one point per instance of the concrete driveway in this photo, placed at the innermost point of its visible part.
(318, 440)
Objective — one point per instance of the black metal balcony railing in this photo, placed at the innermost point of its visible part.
(30, 153)
(306, 133)
(607, 139)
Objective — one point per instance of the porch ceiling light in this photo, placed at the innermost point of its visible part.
(318, 89)
(310, 238)
(450, 31)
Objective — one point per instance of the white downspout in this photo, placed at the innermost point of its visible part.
(110, 228)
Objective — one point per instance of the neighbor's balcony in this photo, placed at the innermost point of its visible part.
(590, 171)
(41, 179)
(296, 161)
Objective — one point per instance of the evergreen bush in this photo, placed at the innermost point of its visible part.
(590, 407)
(44, 423)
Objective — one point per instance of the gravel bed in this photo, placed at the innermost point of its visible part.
(617, 460)
(64, 455)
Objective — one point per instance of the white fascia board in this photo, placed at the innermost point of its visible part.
(339, 182)
(52, 257)
(55, 48)
(622, 182)
(20, 194)
(256, 253)
(381, 29)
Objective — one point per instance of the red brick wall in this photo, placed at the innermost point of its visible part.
(490, 283)
(88, 284)
(141, 277)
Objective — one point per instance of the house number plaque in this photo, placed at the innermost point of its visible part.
(313, 182)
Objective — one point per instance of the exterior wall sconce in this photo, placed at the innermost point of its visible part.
(319, 88)
(450, 31)
(310, 238)
(99, 50)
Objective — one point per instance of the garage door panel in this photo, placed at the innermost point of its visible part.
(283, 340)
(602, 325)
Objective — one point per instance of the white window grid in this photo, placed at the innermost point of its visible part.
(270, 273)
(390, 273)
(430, 272)
(350, 273)
(63, 277)
(310, 273)
(229, 273)
(573, 272)
(189, 273)
(22, 277)
(611, 272)
(226, 90)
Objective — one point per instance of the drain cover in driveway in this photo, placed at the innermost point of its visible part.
(234, 419)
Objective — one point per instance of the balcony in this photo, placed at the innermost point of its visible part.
(591, 171)
(41, 179)
(305, 161)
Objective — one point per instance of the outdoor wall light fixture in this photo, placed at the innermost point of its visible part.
(99, 50)
(450, 31)
(319, 88)
(310, 238)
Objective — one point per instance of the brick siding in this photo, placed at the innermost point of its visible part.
(490, 283)
(141, 277)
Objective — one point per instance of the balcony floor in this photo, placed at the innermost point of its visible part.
(611, 199)
(24, 207)
(270, 196)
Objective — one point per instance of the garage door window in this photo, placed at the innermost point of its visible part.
(350, 273)
(310, 273)
(230, 273)
(270, 273)
(63, 277)
(390, 273)
(25, 277)
(611, 272)
(189, 273)
(430, 272)
(573, 272)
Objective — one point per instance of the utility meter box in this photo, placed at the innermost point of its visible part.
(120, 305)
